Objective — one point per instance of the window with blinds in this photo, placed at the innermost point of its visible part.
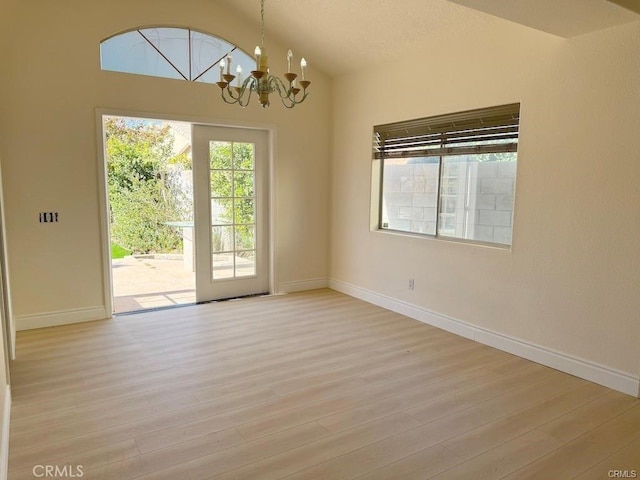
(450, 175)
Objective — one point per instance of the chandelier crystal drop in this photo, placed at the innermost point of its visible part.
(291, 92)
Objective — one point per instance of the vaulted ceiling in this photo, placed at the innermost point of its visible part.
(564, 18)
(341, 35)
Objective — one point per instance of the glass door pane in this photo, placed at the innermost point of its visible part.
(233, 219)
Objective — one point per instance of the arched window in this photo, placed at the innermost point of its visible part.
(170, 52)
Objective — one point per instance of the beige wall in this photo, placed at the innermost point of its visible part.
(570, 282)
(51, 87)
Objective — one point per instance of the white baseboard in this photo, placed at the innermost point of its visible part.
(64, 317)
(600, 374)
(302, 285)
(4, 432)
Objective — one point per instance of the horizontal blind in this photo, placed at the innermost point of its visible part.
(486, 130)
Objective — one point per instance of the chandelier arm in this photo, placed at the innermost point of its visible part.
(248, 98)
(287, 95)
(291, 103)
(240, 90)
(278, 85)
(293, 100)
(304, 95)
(227, 100)
(228, 92)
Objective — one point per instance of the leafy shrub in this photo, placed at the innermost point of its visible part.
(139, 153)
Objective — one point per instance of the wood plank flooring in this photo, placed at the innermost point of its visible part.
(315, 385)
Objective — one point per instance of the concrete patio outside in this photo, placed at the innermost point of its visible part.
(154, 281)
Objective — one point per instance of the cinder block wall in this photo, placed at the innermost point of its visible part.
(477, 198)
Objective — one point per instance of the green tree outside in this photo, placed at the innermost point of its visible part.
(233, 190)
(139, 155)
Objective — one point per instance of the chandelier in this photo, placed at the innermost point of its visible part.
(261, 81)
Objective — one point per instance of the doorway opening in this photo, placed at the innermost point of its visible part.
(149, 186)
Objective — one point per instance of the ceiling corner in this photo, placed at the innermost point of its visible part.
(633, 5)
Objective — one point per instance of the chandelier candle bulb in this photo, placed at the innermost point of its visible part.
(239, 73)
(221, 68)
(303, 65)
(258, 53)
(229, 58)
(289, 58)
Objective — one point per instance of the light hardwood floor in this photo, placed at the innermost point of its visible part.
(315, 385)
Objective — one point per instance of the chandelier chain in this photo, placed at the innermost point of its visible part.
(262, 23)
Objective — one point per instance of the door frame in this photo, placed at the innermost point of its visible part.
(103, 199)
(6, 309)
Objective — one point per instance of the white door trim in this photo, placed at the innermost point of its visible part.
(8, 319)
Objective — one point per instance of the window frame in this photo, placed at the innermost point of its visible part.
(206, 74)
(500, 124)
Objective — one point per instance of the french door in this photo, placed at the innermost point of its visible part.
(230, 212)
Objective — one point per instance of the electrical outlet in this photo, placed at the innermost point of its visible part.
(412, 284)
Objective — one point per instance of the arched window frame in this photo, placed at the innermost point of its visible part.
(203, 52)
